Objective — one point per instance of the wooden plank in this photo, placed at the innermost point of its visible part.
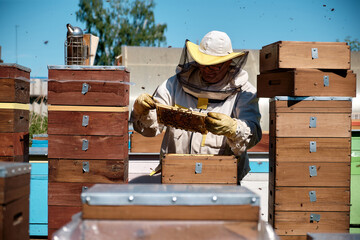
(14, 90)
(263, 145)
(58, 216)
(142, 144)
(14, 144)
(214, 169)
(298, 223)
(14, 120)
(14, 71)
(329, 106)
(99, 171)
(140, 212)
(298, 199)
(99, 123)
(19, 158)
(14, 187)
(99, 147)
(298, 125)
(14, 219)
(298, 149)
(65, 193)
(306, 82)
(297, 174)
(288, 54)
(175, 230)
(105, 87)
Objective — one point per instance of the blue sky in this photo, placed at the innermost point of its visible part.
(250, 24)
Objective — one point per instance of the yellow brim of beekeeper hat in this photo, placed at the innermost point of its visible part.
(206, 59)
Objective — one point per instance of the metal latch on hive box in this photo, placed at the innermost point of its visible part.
(326, 81)
(314, 53)
(198, 168)
(312, 170)
(85, 121)
(312, 122)
(85, 167)
(314, 217)
(312, 195)
(85, 88)
(85, 145)
(312, 146)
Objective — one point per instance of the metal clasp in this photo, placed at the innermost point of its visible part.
(85, 88)
(312, 195)
(312, 122)
(314, 53)
(314, 217)
(326, 81)
(85, 145)
(198, 168)
(312, 146)
(85, 167)
(313, 171)
(85, 121)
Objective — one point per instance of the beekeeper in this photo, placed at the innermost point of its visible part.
(209, 79)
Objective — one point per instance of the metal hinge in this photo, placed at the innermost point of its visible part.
(314, 217)
(312, 122)
(85, 167)
(85, 145)
(312, 170)
(314, 53)
(198, 168)
(312, 146)
(85, 121)
(326, 81)
(85, 88)
(312, 195)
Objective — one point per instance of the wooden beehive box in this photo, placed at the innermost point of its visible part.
(306, 82)
(170, 202)
(14, 83)
(14, 147)
(88, 85)
(315, 55)
(14, 200)
(197, 168)
(309, 155)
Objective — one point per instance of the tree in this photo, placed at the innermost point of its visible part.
(354, 44)
(120, 22)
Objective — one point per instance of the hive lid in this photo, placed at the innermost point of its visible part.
(171, 194)
(85, 67)
(14, 65)
(10, 169)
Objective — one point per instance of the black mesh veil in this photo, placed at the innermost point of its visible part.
(189, 75)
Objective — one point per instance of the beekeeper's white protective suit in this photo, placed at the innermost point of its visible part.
(235, 97)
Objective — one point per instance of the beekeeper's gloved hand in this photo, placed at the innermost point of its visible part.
(221, 124)
(143, 104)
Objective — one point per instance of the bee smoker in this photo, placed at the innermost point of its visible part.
(76, 52)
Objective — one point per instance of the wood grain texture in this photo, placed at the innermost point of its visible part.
(175, 230)
(297, 174)
(13, 72)
(100, 123)
(293, 149)
(215, 169)
(288, 54)
(14, 219)
(139, 212)
(298, 223)
(15, 187)
(298, 199)
(142, 144)
(99, 147)
(14, 91)
(14, 120)
(65, 193)
(58, 216)
(306, 82)
(100, 171)
(298, 125)
(14, 144)
(110, 92)
(292, 106)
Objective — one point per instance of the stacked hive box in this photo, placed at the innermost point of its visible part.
(14, 200)
(14, 112)
(87, 134)
(161, 211)
(310, 137)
